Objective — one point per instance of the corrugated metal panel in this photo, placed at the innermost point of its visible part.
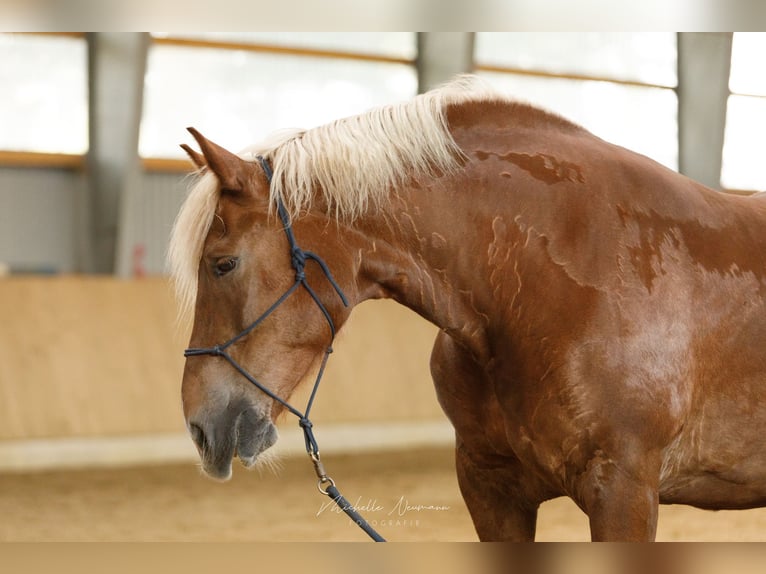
(39, 225)
(148, 212)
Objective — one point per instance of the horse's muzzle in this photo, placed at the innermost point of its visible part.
(239, 431)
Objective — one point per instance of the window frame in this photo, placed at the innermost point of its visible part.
(738, 94)
(511, 70)
(173, 165)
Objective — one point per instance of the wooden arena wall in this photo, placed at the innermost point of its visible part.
(92, 356)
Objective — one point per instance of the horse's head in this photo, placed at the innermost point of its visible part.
(245, 265)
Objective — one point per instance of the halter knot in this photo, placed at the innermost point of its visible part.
(298, 260)
(305, 423)
(311, 443)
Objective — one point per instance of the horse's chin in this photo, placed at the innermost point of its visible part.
(248, 461)
(254, 461)
(221, 471)
(253, 440)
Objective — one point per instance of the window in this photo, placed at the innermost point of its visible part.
(621, 86)
(744, 152)
(237, 88)
(44, 96)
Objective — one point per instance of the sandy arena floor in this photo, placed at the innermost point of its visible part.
(176, 503)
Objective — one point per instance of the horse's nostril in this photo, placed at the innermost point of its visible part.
(198, 435)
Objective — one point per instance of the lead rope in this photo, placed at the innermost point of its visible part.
(298, 257)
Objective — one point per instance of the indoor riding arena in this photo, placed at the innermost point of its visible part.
(94, 444)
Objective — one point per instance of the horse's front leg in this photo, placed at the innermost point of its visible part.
(496, 498)
(621, 500)
(501, 495)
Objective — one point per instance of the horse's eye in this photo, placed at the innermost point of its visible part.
(225, 265)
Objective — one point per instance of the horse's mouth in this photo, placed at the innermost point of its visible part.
(246, 439)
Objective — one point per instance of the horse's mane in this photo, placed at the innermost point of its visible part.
(353, 162)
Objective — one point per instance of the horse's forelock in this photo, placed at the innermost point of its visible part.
(188, 236)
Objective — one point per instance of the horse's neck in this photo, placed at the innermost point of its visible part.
(414, 252)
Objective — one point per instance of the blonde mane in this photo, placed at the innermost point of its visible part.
(353, 162)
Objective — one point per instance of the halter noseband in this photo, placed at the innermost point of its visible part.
(298, 259)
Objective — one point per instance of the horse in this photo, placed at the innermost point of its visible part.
(601, 317)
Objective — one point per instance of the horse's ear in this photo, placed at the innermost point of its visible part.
(197, 158)
(229, 167)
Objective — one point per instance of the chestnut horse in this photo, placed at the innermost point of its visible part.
(602, 318)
